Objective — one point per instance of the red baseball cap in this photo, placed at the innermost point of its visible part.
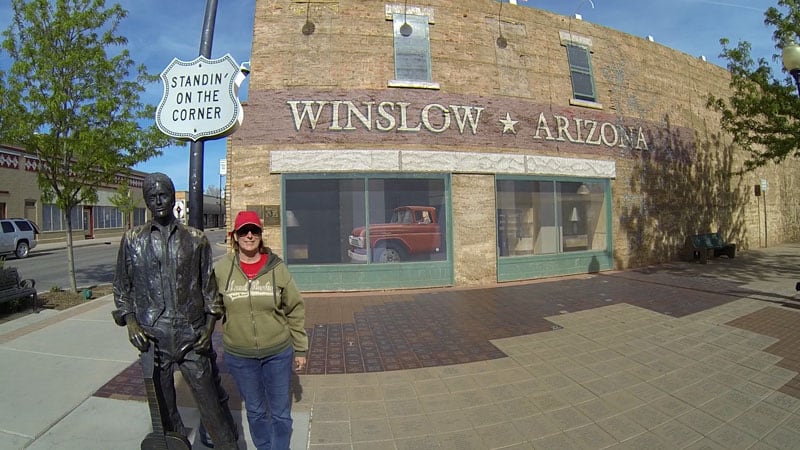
(247, 218)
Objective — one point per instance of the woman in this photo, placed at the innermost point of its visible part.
(262, 331)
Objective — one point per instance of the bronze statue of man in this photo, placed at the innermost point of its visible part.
(166, 295)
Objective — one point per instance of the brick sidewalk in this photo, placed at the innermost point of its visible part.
(676, 356)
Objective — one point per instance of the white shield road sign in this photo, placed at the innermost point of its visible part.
(179, 210)
(200, 98)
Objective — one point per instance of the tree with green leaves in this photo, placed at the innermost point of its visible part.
(762, 112)
(124, 201)
(72, 99)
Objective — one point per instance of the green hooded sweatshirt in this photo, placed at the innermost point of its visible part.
(263, 316)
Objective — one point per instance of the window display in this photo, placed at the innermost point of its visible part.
(410, 233)
(537, 217)
(365, 220)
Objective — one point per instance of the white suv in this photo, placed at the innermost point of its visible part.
(17, 236)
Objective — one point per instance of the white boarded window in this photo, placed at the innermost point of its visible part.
(412, 52)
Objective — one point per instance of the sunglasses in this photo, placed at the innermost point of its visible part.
(243, 231)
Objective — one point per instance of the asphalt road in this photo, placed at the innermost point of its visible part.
(94, 264)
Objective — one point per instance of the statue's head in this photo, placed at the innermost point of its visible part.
(159, 195)
(151, 179)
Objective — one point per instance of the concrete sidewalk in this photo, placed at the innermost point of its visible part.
(614, 374)
(52, 366)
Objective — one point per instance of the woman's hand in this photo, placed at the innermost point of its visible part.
(299, 363)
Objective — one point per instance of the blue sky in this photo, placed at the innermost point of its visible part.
(160, 30)
(157, 32)
(691, 26)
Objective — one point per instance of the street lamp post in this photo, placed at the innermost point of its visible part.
(791, 62)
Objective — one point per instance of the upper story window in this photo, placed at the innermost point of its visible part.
(412, 46)
(579, 57)
(580, 69)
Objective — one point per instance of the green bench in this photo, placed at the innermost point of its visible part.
(700, 246)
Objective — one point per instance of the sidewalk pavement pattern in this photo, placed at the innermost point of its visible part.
(679, 355)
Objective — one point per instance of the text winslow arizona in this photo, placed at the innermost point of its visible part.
(346, 115)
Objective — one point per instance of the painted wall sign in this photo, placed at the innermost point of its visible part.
(346, 115)
(386, 117)
(200, 98)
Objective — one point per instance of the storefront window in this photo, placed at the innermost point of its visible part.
(139, 216)
(53, 218)
(326, 220)
(107, 217)
(548, 217)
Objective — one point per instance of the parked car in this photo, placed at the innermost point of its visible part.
(412, 231)
(17, 236)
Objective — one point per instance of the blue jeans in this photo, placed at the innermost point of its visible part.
(264, 386)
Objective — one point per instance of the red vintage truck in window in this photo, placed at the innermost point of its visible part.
(413, 231)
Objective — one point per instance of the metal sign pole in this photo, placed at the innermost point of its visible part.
(197, 148)
(766, 242)
(764, 188)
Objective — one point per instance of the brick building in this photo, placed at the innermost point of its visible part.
(213, 209)
(547, 146)
(20, 197)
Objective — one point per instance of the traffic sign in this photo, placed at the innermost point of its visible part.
(179, 210)
(200, 98)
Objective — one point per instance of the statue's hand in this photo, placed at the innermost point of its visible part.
(137, 336)
(203, 344)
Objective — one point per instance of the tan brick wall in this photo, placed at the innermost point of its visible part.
(251, 185)
(20, 186)
(475, 236)
(684, 185)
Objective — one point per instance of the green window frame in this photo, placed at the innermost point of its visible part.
(580, 69)
(552, 226)
(332, 232)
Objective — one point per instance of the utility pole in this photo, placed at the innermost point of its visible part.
(198, 147)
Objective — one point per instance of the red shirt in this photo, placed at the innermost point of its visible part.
(252, 269)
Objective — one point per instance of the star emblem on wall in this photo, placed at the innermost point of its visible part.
(508, 124)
